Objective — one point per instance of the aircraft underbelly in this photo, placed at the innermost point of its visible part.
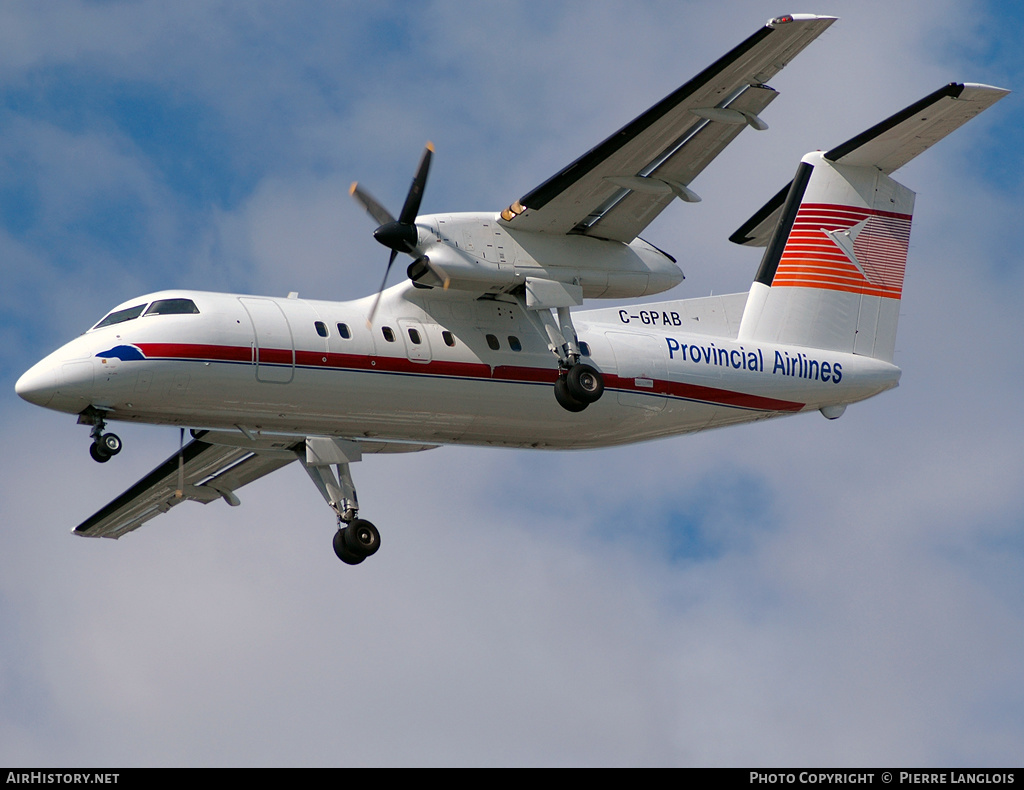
(402, 406)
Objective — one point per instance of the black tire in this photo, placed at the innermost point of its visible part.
(98, 454)
(341, 550)
(111, 443)
(584, 383)
(565, 400)
(362, 538)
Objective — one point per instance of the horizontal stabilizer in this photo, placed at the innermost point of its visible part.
(895, 141)
(888, 145)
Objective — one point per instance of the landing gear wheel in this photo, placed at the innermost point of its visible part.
(354, 543)
(342, 550)
(111, 444)
(565, 399)
(362, 538)
(104, 447)
(584, 383)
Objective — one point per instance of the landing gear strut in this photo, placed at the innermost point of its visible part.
(356, 538)
(104, 445)
(578, 384)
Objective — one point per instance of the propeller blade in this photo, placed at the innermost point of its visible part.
(419, 181)
(397, 235)
(373, 310)
(368, 202)
(441, 274)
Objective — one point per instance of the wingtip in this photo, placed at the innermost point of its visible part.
(825, 19)
(352, 189)
(982, 89)
(430, 146)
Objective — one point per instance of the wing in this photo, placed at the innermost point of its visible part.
(615, 190)
(208, 472)
(212, 466)
(887, 145)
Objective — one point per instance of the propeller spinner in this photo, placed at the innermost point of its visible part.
(398, 235)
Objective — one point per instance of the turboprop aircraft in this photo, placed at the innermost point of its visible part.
(478, 345)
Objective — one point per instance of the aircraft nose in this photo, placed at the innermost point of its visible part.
(38, 385)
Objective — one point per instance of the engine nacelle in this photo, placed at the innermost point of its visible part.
(474, 252)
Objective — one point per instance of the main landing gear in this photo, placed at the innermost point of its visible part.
(578, 384)
(356, 541)
(356, 538)
(104, 445)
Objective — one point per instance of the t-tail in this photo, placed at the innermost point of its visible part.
(837, 235)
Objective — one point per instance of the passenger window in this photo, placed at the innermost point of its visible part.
(343, 330)
(172, 307)
(389, 333)
(449, 338)
(585, 349)
(120, 316)
(321, 328)
(493, 343)
(414, 336)
(514, 344)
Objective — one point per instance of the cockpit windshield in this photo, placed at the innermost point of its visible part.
(172, 307)
(118, 316)
(159, 307)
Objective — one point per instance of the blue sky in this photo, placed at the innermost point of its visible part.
(793, 592)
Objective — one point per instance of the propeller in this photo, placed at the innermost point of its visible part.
(398, 235)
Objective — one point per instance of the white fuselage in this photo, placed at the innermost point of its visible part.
(264, 364)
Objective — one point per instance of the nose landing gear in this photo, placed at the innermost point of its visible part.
(104, 445)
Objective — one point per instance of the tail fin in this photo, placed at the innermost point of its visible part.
(832, 274)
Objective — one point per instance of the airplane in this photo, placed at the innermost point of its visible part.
(479, 344)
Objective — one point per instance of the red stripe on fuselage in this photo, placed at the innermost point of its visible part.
(196, 351)
(465, 370)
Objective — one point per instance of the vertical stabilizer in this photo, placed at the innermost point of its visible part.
(837, 237)
(832, 275)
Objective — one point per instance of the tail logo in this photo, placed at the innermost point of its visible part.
(846, 248)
